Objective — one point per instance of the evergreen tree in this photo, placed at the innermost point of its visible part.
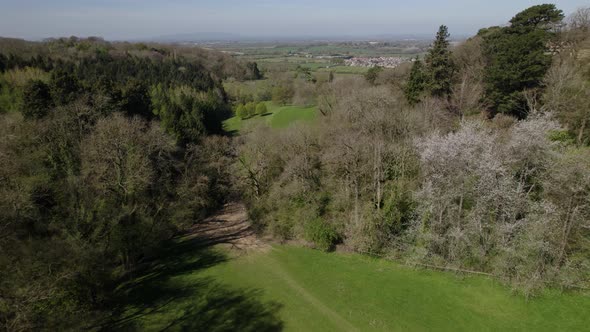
(253, 71)
(36, 100)
(517, 58)
(3, 62)
(136, 99)
(65, 87)
(537, 17)
(416, 83)
(439, 65)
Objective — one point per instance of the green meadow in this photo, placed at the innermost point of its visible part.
(298, 289)
(277, 117)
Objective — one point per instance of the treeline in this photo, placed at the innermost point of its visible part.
(102, 157)
(478, 160)
(23, 53)
(290, 87)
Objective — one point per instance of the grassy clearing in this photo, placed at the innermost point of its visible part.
(299, 289)
(277, 117)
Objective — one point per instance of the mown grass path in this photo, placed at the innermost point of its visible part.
(341, 323)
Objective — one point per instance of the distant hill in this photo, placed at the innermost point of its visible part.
(197, 37)
(203, 37)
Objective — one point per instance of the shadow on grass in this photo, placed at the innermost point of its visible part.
(170, 295)
(231, 133)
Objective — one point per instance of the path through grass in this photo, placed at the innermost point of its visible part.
(299, 289)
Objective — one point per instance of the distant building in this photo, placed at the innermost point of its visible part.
(385, 62)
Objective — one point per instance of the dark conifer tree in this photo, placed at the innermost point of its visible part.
(517, 59)
(416, 83)
(439, 65)
(36, 100)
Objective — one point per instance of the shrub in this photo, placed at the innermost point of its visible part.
(261, 109)
(322, 234)
(250, 109)
(241, 111)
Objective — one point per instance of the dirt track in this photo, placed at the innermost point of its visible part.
(229, 226)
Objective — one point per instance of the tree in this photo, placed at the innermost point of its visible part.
(253, 71)
(36, 99)
(250, 109)
(479, 204)
(372, 74)
(261, 108)
(3, 62)
(241, 111)
(567, 95)
(468, 86)
(517, 58)
(578, 29)
(282, 94)
(580, 20)
(65, 87)
(537, 17)
(136, 99)
(439, 65)
(188, 114)
(416, 83)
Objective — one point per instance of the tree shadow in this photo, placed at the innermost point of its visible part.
(231, 133)
(169, 294)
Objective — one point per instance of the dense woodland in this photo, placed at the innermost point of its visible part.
(107, 150)
(474, 157)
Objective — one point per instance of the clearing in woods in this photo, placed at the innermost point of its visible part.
(222, 277)
(277, 117)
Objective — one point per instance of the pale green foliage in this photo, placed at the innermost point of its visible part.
(241, 111)
(250, 109)
(261, 108)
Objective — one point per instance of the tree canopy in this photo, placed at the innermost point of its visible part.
(517, 58)
(439, 65)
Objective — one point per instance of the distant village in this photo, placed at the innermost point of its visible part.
(385, 62)
(382, 61)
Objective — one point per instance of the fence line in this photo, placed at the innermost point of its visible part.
(454, 269)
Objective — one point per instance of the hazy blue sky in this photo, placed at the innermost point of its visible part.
(121, 19)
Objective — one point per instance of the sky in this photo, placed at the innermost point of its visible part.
(137, 19)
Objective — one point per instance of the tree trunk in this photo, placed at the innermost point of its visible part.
(565, 233)
(581, 131)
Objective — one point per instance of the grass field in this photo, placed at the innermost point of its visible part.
(299, 289)
(277, 117)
